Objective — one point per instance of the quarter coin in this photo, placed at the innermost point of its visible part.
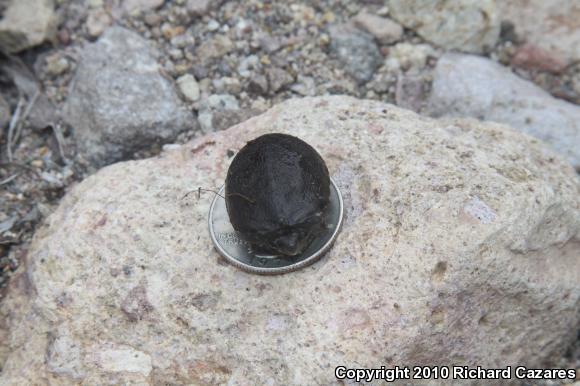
(239, 252)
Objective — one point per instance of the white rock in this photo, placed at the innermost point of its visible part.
(189, 87)
(26, 23)
(213, 25)
(136, 6)
(551, 27)
(466, 85)
(113, 359)
(201, 7)
(465, 25)
(384, 30)
(460, 240)
(408, 56)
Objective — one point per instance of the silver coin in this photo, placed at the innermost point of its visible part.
(240, 253)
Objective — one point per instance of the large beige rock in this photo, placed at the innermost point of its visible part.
(26, 23)
(464, 25)
(460, 245)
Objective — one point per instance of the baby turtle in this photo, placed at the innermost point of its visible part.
(277, 191)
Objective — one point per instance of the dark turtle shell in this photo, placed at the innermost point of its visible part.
(277, 191)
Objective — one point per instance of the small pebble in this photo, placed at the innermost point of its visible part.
(189, 87)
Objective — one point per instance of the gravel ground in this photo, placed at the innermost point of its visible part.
(256, 53)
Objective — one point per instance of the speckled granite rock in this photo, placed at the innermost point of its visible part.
(460, 245)
(465, 25)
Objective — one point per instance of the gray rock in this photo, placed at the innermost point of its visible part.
(356, 50)
(119, 102)
(213, 25)
(220, 106)
(26, 23)
(411, 91)
(182, 41)
(268, 43)
(461, 240)
(222, 120)
(202, 7)
(386, 31)
(466, 85)
(214, 48)
(248, 66)
(43, 113)
(305, 85)
(465, 25)
(278, 78)
(258, 84)
(551, 29)
(227, 85)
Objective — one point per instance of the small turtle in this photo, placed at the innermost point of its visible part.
(277, 191)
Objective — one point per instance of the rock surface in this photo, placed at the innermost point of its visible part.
(26, 23)
(460, 244)
(551, 28)
(201, 7)
(356, 50)
(136, 6)
(216, 106)
(466, 25)
(384, 30)
(119, 101)
(466, 85)
(188, 87)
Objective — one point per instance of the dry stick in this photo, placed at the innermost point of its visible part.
(7, 180)
(59, 139)
(24, 116)
(19, 165)
(13, 122)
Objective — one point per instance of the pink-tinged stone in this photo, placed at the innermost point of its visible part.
(532, 57)
(553, 26)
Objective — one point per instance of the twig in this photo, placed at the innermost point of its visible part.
(7, 180)
(25, 115)
(13, 122)
(16, 164)
(59, 140)
(21, 166)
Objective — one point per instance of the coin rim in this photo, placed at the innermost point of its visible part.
(277, 270)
